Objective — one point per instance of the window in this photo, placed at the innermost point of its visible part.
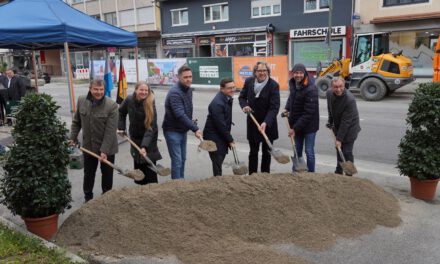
(216, 13)
(76, 1)
(316, 5)
(111, 19)
(390, 66)
(145, 15)
(98, 17)
(265, 8)
(126, 18)
(402, 2)
(179, 17)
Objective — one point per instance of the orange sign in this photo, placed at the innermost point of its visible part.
(279, 69)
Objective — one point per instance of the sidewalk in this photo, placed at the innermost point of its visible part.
(414, 241)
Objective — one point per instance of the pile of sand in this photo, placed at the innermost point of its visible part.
(231, 219)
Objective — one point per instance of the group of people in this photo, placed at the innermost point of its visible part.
(12, 88)
(100, 118)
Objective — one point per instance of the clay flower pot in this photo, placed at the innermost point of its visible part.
(423, 189)
(44, 227)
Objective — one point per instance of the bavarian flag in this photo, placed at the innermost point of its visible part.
(108, 79)
(122, 84)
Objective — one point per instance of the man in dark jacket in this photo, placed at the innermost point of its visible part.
(178, 121)
(15, 88)
(261, 96)
(97, 117)
(218, 124)
(303, 108)
(343, 119)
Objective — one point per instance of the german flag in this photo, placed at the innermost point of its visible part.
(122, 84)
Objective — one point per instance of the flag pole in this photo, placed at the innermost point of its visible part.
(34, 65)
(137, 65)
(70, 80)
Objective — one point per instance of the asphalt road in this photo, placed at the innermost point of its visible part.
(383, 123)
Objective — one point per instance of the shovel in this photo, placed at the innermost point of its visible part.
(298, 163)
(239, 168)
(276, 153)
(207, 145)
(137, 175)
(347, 166)
(159, 169)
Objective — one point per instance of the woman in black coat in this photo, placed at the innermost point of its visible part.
(261, 96)
(143, 130)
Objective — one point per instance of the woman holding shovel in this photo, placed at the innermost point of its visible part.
(143, 130)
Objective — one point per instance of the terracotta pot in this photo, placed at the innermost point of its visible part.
(423, 189)
(44, 227)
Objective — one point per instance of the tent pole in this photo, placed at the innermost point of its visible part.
(34, 65)
(137, 65)
(70, 80)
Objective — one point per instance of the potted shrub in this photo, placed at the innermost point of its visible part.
(419, 156)
(35, 183)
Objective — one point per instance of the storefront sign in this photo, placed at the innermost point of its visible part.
(178, 41)
(204, 41)
(316, 32)
(164, 71)
(235, 39)
(210, 71)
(278, 65)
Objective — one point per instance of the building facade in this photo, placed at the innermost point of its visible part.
(297, 28)
(414, 27)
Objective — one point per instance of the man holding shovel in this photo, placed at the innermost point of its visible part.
(218, 124)
(178, 121)
(303, 108)
(260, 97)
(343, 120)
(97, 116)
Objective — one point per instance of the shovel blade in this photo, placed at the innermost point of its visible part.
(279, 156)
(208, 145)
(348, 167)
(240, 169)
(162, 171)
(299, 164)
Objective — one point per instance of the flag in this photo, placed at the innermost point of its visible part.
(122, 84)
(108, 78)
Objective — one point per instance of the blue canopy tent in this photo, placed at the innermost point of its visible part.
(53, 24)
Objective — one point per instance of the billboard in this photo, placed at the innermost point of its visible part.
(210, 71)
(164, 71)
(130, 70)
(243, 68)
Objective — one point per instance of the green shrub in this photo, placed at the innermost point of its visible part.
(35, 183)
(420, 147)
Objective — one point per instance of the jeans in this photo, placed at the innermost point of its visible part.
(347, 151)
(176, 143)
(90, 166)
(309, 140)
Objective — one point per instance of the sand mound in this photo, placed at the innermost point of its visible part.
(232, 219)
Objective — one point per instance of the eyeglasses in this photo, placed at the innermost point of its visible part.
(261, 71)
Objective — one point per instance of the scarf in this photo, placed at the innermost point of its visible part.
(259, 86)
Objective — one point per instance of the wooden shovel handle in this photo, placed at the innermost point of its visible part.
(288, 130)
(140, 151)
(259, 129)
(337, 148)
(98, 157)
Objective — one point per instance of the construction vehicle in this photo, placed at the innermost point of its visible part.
(436, 62)
(372, 68)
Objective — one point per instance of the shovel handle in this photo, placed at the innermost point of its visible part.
(337, 148)
(288, 130)
(99, 158)
(140, 152)
(259, 129)
(234, 152)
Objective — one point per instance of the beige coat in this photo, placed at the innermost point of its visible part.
(98, 123)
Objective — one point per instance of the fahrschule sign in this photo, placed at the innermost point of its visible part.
(316, 32)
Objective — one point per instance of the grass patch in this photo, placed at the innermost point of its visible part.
(18, 248)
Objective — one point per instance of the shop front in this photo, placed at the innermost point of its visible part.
(309, 46)
(241, 45)
(178, 47)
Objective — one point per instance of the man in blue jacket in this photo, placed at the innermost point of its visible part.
(218, 124)
(178, 121)
(303, 108)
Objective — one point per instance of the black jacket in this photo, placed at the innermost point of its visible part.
(219, 121)
(343, 115)
(17, 88)
(265, 107)
(303, 106)
(179, 110)
(144, 138)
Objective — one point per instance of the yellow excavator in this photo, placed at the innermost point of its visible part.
(372, 68)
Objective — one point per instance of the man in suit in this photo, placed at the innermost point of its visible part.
(14, 89)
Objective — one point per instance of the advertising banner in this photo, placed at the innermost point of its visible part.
(164, 71)
(130, 70)
(210, 71)
(243, 68)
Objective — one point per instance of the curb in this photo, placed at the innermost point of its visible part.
(74, 258)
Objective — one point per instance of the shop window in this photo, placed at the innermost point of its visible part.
(402, 2)
(216, 13)
(126, 18)
(316, 5)
(265, 8)
(310, 53)
(77, 1)
(111, 19)
(145, 15)
(390, 66)
(179, 17)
